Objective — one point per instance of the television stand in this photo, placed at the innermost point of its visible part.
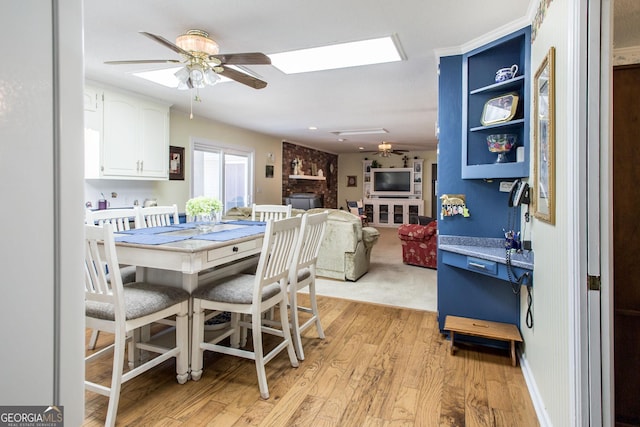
(391, 212)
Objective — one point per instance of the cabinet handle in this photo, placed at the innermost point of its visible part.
(235, 249)
(141, 165)
(476, 265)
(138, 166)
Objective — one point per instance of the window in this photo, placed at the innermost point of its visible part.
(223, 172)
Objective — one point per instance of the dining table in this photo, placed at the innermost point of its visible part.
(186, 254)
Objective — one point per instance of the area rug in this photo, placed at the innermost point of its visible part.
(389, 281)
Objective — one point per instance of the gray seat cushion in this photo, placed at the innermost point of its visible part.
(127, 272)
(235, 289)
(141, 299)
(304, 274)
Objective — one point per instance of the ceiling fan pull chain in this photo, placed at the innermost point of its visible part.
(191, 106)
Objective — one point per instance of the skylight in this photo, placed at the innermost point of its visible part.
(353, 54)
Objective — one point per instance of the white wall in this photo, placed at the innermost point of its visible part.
(41, 168)
(546, 350)
(184, 130)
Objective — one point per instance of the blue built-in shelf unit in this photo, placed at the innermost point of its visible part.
(479, 85)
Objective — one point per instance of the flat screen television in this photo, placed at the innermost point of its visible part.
(392, 182)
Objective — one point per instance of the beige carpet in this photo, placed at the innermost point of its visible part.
(389, 281)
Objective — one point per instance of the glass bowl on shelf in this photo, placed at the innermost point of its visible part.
(501, 143)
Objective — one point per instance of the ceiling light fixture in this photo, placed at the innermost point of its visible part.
(385, 146)
(200, 70)
(360, 132)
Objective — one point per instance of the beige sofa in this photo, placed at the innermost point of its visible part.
(346, 249)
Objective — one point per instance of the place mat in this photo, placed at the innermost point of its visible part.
(223, 236)
(185, 225)
(245, 222)
(150, 239)
(150, 230)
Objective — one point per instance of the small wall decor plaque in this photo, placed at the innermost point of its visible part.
(176, 163)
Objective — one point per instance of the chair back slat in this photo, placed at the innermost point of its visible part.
(100, 258)
(119, 218)
(157, 216)
(267, 212)
(307, 248)
(277, 254)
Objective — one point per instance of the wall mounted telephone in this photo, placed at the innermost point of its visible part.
(519, 193)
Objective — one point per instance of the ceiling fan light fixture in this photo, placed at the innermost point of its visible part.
(196, 74)
(197, 41)
(384, 147)
(211, 77)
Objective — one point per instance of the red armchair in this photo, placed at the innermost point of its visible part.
(420, 244)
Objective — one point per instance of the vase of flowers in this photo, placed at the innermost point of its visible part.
(204, 210)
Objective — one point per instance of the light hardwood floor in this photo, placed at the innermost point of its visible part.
(378, 366)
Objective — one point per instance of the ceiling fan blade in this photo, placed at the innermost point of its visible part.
(166, 43)
(243, 78)
(249, 58)
(144, 61)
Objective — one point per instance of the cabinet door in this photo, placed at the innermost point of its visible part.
(121, 143)
(383, 214)
(93, 132)
(399, 211)
(154, 142)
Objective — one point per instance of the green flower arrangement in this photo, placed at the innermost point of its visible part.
(203, 206)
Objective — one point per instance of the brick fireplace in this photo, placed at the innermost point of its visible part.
(326, 190)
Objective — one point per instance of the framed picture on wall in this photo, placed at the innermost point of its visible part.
(176, 163)
(352, 181)
(268, 171)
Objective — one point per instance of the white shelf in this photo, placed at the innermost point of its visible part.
(308, 177)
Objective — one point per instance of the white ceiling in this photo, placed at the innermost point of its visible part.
(400, 97)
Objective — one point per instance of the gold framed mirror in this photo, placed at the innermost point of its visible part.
(544, 163)
(500, 109)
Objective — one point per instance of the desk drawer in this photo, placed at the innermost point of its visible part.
(482, 265)
(239, 250)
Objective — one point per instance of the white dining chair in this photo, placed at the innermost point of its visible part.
(157, 216)
(267, 212)
(118, 309)
(246, 294)
(303, 274)
(121, 220)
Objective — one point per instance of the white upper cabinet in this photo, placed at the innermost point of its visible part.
(132, 140)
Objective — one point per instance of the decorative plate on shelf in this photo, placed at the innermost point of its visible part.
(500, 109)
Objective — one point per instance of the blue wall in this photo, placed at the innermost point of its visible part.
(461, 292)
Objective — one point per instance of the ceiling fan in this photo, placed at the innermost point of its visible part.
(202, 62)
(384, 150)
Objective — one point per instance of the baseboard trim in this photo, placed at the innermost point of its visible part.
(536, 398)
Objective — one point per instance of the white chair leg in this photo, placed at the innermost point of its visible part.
(295, 326)
(182, 341)
(258, 351)
(198, 337)
(237, 334)
(93, 340)
(286, 331)
(116, 379)
(314, 309)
